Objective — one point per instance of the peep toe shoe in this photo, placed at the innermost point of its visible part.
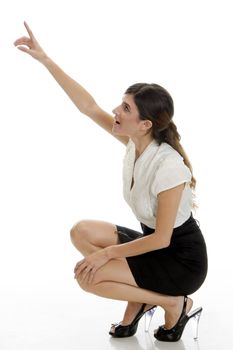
(175, 333)
(129, 330)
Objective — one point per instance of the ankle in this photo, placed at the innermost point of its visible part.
(172, 303)
(130, 312)
(175, 309)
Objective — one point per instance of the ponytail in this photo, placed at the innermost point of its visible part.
(172, 137)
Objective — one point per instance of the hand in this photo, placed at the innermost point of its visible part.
(87, 267)
(33, 48)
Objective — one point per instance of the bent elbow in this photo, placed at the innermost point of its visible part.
(166, 244)
(161, 241)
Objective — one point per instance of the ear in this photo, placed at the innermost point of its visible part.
(147, 124)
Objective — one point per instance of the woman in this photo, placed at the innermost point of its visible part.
(168, 261)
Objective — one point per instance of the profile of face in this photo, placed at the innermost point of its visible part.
(127, 120)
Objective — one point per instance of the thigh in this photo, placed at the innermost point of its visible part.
(98, 233)
(116, 270)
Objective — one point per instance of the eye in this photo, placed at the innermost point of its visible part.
(125, 107)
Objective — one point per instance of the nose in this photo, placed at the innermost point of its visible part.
(115, 111)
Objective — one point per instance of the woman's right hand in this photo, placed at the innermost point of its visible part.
(30, 45)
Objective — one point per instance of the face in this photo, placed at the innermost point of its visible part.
(126, 120)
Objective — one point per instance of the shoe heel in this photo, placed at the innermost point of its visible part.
(148, 317)
(195, 322)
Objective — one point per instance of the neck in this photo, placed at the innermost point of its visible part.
(141, 143)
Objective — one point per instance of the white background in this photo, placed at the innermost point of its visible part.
(57, 167)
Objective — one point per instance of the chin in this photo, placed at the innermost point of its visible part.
(118, 132)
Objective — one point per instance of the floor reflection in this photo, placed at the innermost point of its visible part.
(148, 342)
(194, 345)
(130, 343)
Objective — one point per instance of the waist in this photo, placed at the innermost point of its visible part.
(188, 227)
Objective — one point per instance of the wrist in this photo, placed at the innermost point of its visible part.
(111, 252)
(46, 61)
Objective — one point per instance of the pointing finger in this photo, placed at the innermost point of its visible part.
(29, 30)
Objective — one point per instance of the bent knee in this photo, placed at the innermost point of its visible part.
(79, 231)
(87, 287)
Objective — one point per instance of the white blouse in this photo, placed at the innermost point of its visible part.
(158, 168)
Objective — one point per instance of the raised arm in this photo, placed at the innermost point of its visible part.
(80, 97)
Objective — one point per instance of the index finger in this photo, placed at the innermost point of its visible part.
(28, 30)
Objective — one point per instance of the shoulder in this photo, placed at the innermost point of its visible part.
(170, 171)
(130, 147)
(169, 163)
(163, 155)
(129, 156)
(167, 152)
(168, 157)
(130, 144)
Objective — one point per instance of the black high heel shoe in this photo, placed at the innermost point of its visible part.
(129, 330)
(175, 333)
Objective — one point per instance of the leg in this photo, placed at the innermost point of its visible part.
(114, 280)
(89, 236)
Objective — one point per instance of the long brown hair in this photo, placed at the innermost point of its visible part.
(154, 103)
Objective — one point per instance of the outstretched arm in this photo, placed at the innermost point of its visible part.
(80, 97)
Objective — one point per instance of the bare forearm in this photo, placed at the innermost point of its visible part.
(137, 247)
(80, 97)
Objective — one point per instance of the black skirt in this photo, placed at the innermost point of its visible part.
(179, 269)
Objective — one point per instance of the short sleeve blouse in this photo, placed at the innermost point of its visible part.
(159, 168)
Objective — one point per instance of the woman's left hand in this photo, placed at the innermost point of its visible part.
(86, 268)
